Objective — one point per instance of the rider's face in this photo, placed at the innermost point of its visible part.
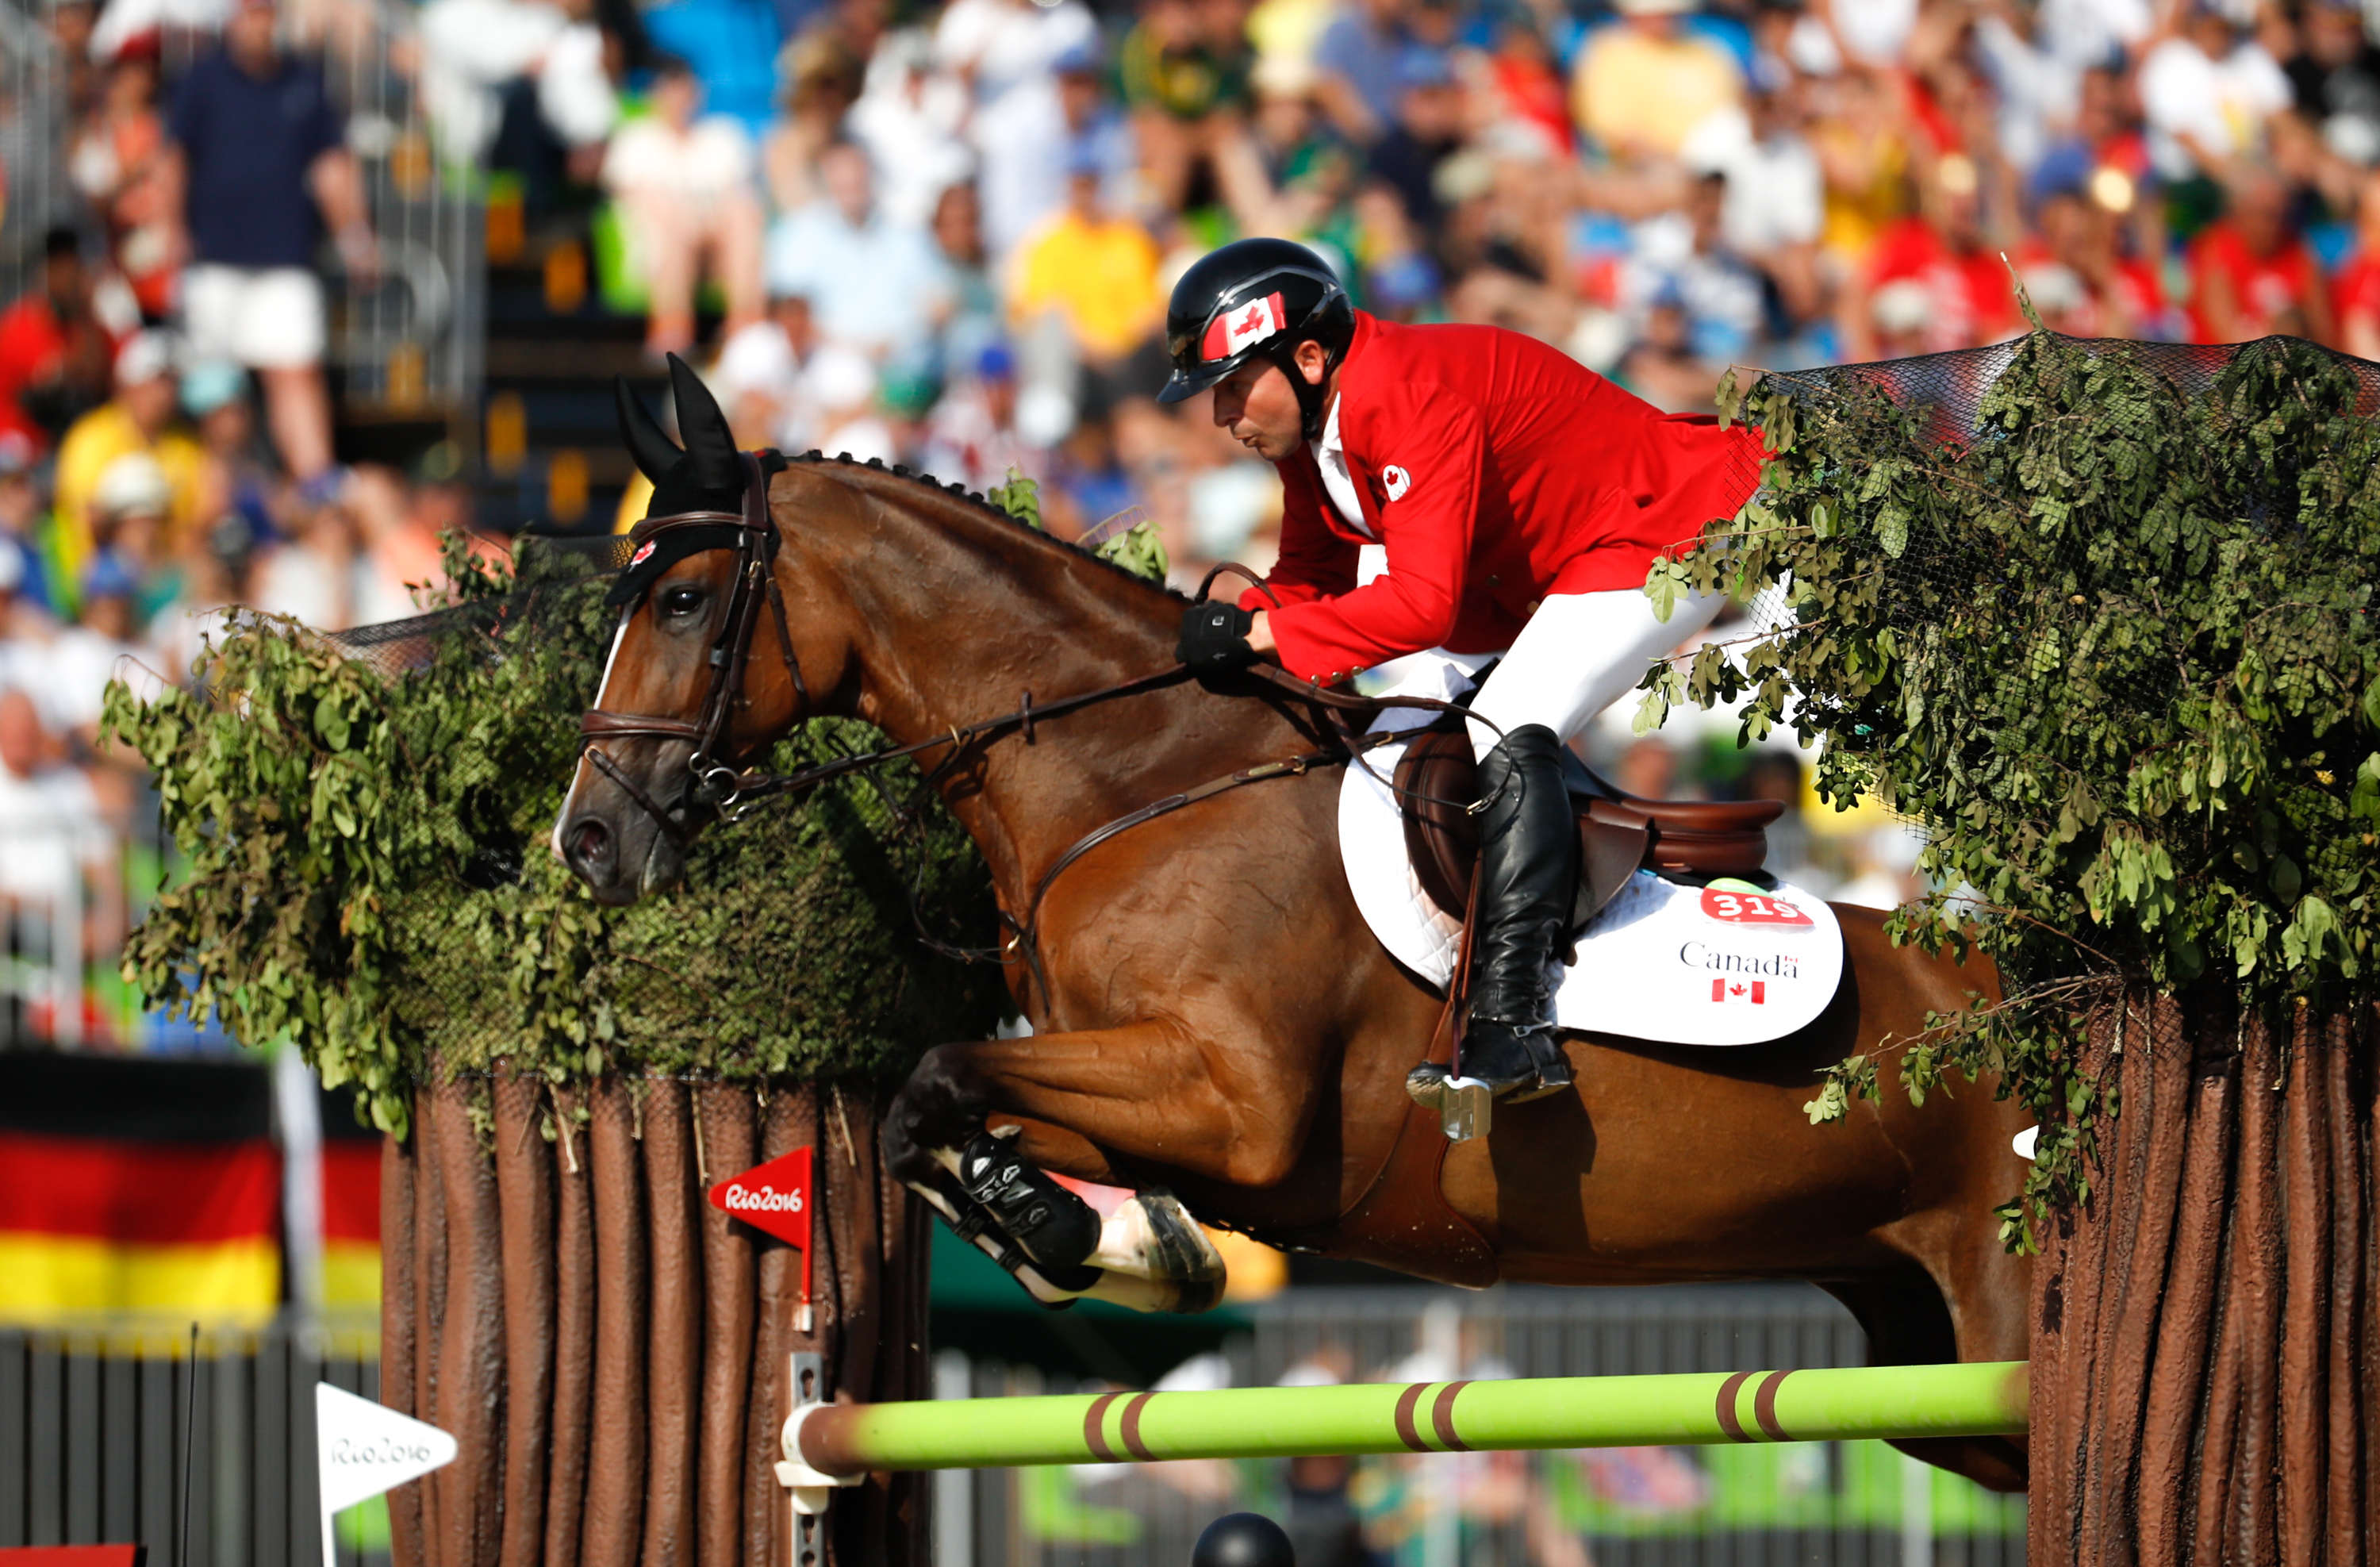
(1256, 404)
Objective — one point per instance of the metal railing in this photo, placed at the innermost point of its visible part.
(103, 1433)
(411, 342)
(1815, 1503)
(91, 1448)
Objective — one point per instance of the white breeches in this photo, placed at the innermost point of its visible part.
(1578, 654)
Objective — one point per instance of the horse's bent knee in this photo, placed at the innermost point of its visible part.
(1259, 1163)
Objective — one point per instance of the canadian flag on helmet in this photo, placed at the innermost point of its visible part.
(1756, 991)
(1243, 324)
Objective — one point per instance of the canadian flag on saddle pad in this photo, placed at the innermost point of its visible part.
(1753, 990)
(1244, 325)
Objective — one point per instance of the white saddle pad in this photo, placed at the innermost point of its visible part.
(1724, 964)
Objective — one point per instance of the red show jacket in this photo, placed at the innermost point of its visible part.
(1497, 471)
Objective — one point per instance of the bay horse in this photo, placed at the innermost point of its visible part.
(1211, 1013)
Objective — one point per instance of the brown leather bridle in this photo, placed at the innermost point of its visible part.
(716, 785)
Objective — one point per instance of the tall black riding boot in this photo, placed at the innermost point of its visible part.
(1528, 849)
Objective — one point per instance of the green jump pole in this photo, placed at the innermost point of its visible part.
(1984, 1399)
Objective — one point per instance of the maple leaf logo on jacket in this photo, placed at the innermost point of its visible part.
(1397, 481)
(1243, 324)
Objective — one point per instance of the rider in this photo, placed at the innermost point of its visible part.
(1521, 498)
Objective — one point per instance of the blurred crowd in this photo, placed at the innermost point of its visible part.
(943, 234)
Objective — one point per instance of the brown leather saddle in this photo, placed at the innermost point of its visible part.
(1619, 834)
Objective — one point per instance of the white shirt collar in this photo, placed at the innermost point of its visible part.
(1330, 462)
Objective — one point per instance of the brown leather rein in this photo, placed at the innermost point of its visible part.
(732, 794)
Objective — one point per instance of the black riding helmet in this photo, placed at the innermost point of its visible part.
(1254, 299)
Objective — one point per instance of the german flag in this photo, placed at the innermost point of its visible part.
(350, 1206)
(135, 1185)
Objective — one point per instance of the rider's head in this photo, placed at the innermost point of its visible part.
(1265, 323)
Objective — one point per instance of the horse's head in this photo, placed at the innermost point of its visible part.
(683, 701)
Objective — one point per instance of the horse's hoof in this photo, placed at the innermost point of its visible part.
(1057, 1229)
(1152, 1234)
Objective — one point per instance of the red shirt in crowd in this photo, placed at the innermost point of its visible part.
(2356, 290)
(2136, 309)
(2263, 289)
(32, 349)
(1495, 470)
(1973, 301)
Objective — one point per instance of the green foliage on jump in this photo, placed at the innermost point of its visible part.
(2099, 617)
(1138, 549)
(369, 875)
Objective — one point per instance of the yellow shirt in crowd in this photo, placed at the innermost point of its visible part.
(1639, 90)
(96, 440)
(1100, 274)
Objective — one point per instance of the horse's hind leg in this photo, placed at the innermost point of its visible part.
(1908, 1324)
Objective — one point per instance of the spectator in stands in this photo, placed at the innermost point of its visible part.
(2356, 301)
(874, 284)
(1095, 272)
(974, 324)
(998, 47)
(1683, 261)
(730, 46)
(971, 435)
(1025, 140)
(2206, 92)
(1945, 251)
(233, 485)
(1356, 62)
(51, 835)
(55, 354)
(758, 378)
(129, 513)
(22, 516)
(909, 118)
(1428, 130)
(520, 82)
(139, 420)
(2251, 274)
(262, 169)
(313, 576)
(101, 644)
(2081, 280)
(840, 384)
(822, 81)
(120, 162)
(2334, 78)
(1185, 73)
(1775, 210)
(683, 182)
(1643, 83)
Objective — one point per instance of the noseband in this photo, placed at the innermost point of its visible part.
(752, 533)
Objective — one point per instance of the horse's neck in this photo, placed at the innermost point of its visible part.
(959, 614)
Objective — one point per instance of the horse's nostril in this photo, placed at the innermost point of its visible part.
(588, 841)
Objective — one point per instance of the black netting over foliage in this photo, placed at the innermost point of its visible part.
(369, 819)
(2099, 615)
(2016, 427)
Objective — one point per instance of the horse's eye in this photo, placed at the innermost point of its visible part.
(681, 601)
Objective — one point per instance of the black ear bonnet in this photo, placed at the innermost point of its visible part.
(707, 475)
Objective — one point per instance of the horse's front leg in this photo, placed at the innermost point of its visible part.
(1144, 1091)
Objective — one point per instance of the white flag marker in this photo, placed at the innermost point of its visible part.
(364, 1448)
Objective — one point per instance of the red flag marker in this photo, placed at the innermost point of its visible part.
(775, 1198)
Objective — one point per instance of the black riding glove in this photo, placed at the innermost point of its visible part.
(1215, 637)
